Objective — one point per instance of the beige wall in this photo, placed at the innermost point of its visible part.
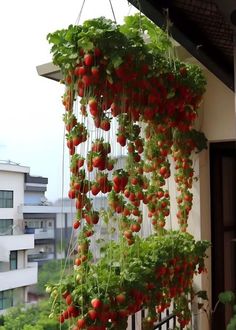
(219, 119)
(218, 122)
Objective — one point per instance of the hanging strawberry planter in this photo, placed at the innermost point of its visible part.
(111, 72)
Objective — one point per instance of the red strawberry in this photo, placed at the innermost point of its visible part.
(76, 224)
(69, 143)
(97, 51)
(105, 124)
(97, 160)
(148, 113)
(87, 80)
(80, 92)
(163, 170)
(69, 299)
(135, 227)
(95, 189)
(120, 298)
(80, 71)
(80, 162)
(95, 71)
(96, 119)
(81, 323)
(61, 319)
(96, 303)
(76, 140)
(71, 194)
(88, 59)
(92, 314)
(121, 139)
(116, 180)
(116, 188)
(93, 107)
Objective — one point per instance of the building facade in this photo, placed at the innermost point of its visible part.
(16, 273)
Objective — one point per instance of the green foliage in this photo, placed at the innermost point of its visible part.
(232, 323)
(124, 268)
(30, 318)
(139, 26)
(227, 297)
(198, 139)
(125, 71)
(138, 37)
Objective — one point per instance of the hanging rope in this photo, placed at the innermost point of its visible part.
(80, 13)
(171, 50)
(113, 13)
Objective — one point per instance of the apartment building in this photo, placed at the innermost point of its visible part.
(51, 223)
(16, 273)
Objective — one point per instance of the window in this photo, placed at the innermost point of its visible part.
(13, 260)
(6, 299)
(6, 199)
(6, 226)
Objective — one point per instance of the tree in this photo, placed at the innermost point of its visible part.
(35, 317)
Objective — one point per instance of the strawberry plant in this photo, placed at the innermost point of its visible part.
(122, 72)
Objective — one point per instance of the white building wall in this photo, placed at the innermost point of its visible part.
(17, 242)
(21, 259)
(19, 277)
(10, 180)
(219, 117)
(33, 198)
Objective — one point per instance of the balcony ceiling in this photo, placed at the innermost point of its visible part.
(205, 28)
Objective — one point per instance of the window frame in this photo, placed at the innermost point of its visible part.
(13, 260)
(6, 202)
(7, 229)
(6, 299)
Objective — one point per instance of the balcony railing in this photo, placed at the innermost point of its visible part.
(37, 257)
(19, 277)
(165, 321)
(41, 233)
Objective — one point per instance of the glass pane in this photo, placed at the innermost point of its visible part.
(13, 260)
(6, 226)
(6, 199)
(6, 299)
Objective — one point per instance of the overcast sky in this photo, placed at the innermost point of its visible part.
(31, 127)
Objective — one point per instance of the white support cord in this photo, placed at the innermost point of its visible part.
(171, 51)
(62, 205)
(80, 13)
(113, 13)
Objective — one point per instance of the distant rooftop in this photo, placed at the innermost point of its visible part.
(9, 162)
(10, 166)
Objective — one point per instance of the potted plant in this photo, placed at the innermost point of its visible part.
(122, 72)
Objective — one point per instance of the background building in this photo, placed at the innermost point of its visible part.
(16, 273)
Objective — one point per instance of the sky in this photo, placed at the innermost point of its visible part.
(31, 126)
